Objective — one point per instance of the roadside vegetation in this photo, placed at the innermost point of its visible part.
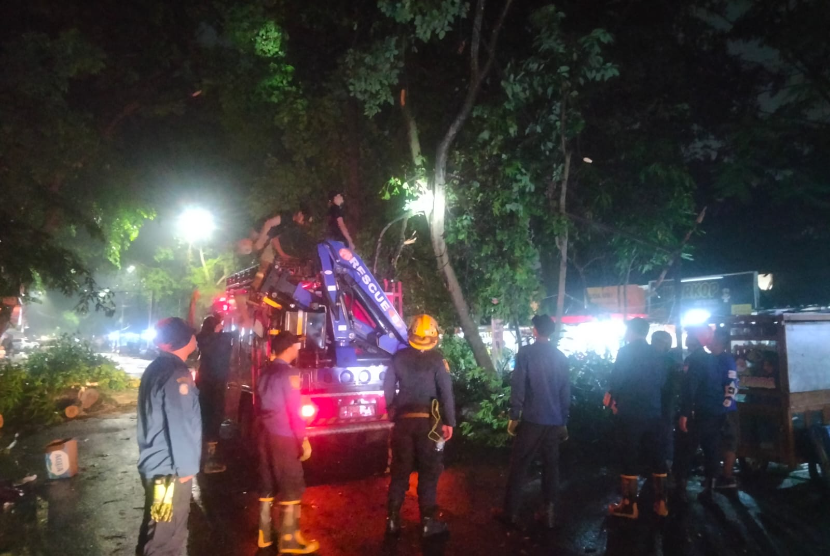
(38, 391)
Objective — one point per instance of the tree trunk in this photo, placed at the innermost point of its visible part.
(562, 242)
(439, 247)
(437, 216)
(678, 305)
(625, 287)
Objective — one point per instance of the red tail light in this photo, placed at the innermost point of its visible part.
(308, 411)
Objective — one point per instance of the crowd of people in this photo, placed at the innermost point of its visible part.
(663, 411)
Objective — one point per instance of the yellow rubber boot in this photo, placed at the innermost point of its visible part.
(627, 507)
(291, 538)
(265, 528)
(660, 494)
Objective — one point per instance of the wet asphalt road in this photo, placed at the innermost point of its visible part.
(97, 513)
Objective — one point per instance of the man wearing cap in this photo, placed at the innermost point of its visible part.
(418, 392)
(335, 225)
(540, 398)
(169, 440)
(637, 382)
(701, 412)
(283, 446)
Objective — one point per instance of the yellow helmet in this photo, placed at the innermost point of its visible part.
(423, 332)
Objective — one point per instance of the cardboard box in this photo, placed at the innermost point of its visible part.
(62, 458)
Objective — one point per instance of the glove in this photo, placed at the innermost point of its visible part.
(512, 426)
(306, 450)
(162, 507)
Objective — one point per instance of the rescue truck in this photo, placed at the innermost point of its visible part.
(350, 328)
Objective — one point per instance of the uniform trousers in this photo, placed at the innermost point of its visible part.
(165, 538)
(412, 450)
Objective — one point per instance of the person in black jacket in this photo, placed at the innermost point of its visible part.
(418, 393)
(701, 412)
(540, 399)
(637, 382)
(335, 224)
(212, 380)
(169, 441)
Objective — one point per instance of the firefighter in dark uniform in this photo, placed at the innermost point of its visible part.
(540, 398)
(283, 446)
(169, 441)
(424, 414)
(701, 412)
(637, 385)
(212, 380)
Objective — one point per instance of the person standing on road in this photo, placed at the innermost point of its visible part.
(212, 380)
(335, 225)
(540, 399)
(283, 446)
(662, 341)
(701, 412)
(637, 382)
(169, 441)
(730, 425)
(423, 411)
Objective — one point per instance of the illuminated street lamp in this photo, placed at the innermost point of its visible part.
(423, 203)
(196, 224)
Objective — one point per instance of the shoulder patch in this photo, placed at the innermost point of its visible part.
(295, 381)
(184, 389)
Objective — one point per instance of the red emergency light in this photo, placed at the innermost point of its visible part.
(308, 411)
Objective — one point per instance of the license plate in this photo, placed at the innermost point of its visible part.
(359, 410)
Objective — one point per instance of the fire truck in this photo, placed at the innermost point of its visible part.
(350, 328)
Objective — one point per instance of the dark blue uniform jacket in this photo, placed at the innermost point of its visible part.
(703, 386)
(169, 420)
(638, 380)
(540, 390)
(278, 389)
(420, 377)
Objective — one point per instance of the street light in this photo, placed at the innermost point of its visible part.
(196, 224)
(423, 203)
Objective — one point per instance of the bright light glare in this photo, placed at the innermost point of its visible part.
(603, 337)
(694, 317)
(131, 268)
(765, 282)
(308, 411)
(196, 224)
(422, 204)
(149, 335)
(113, 336)
(587, 160)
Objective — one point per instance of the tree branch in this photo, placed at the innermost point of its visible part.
(476, 41)
(475, 85)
